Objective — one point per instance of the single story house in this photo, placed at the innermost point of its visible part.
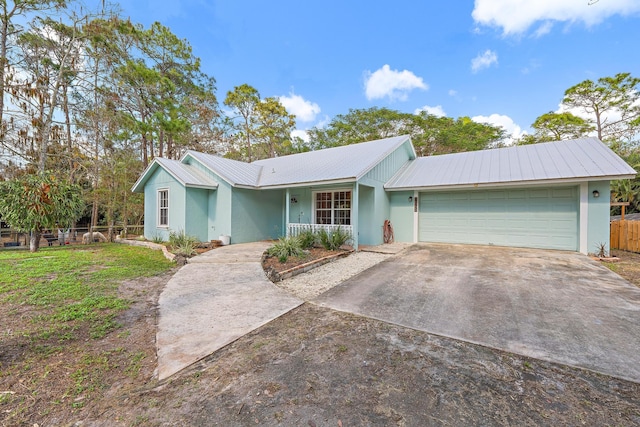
(552, 195)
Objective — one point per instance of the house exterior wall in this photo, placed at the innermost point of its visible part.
(370, 223)
(366, 215)
(598, 230)
(302, 211)
(196, 213)
(401, 215)
(160, 179)
(219, 207)
(257, 215)
(218, 221)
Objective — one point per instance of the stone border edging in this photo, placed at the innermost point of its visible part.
(155, 246)
(303, 268)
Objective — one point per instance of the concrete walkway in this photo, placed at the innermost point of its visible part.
(214, 300)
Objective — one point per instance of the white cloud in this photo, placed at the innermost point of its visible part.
(305, 111)
(392, 84)
(437, 111)
(300, 133)
(453, 92)
(484, 60)
(514, 131)
(518, 16)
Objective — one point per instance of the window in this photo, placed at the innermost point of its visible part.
(333, 207)
(163, 208)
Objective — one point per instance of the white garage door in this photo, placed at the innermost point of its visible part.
(535, 218)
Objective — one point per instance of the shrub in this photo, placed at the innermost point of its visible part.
(157, 239)
(286, 247)
(332, 241)
(182, 244)
(307, 239)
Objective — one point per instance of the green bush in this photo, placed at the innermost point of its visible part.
(307, 239)
(332, 241)
(286, 247)
(157, 239)
(182, 244)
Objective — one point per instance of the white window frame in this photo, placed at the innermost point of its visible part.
(333, 191)
(161, 208)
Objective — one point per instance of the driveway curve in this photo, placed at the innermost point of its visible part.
(214, 300)
(552, 305)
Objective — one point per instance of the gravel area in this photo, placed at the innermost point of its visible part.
(309, 285)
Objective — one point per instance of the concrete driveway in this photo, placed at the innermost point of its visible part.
(552, 305)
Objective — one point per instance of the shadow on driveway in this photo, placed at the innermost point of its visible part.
(552, 305)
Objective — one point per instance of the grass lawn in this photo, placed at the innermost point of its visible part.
(56, 308)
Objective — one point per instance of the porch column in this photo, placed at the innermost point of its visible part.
(584, 218)
(416, 216)
(287, 205)
(354, 215)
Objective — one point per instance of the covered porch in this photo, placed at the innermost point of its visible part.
(349, 206)
(322, 208)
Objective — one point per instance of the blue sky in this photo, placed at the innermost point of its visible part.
(499, 61)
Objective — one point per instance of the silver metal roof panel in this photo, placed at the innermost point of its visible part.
(232, 171)
(188, 175)
(349, 162)
(579, 159)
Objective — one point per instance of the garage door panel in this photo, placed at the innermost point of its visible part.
(541, 218)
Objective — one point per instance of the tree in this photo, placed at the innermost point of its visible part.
(33, 203)
(613, 104)
(360, 125)
(558, 126)
(10, 11)
(50, 53)
(244, 100)
(430, 134)
(273, 128)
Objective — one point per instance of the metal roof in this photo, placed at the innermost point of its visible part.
(232, 171)
(349, 162)
(345, 163)
(573, 160)
(187, 175)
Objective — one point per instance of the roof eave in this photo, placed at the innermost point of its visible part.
(202, 186)
(539, 182)
(138, 187)
(302, 184)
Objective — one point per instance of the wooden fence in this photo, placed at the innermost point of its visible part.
(625, 235)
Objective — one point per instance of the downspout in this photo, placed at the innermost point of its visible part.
(287, 206)
(354, 216)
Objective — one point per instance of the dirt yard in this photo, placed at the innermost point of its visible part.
(311, 367)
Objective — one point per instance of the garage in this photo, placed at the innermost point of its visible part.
(526, 217)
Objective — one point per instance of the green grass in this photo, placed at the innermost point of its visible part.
(71, 287)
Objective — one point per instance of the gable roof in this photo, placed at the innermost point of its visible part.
(339, 164)
(573, 160)
(234, 172)
(345, 163)
(187, 175)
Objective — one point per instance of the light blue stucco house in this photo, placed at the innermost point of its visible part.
(553, 195)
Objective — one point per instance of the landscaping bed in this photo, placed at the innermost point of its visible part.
(277, 270)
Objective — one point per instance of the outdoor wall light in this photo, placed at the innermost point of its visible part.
(410, 199)
(596, 193)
